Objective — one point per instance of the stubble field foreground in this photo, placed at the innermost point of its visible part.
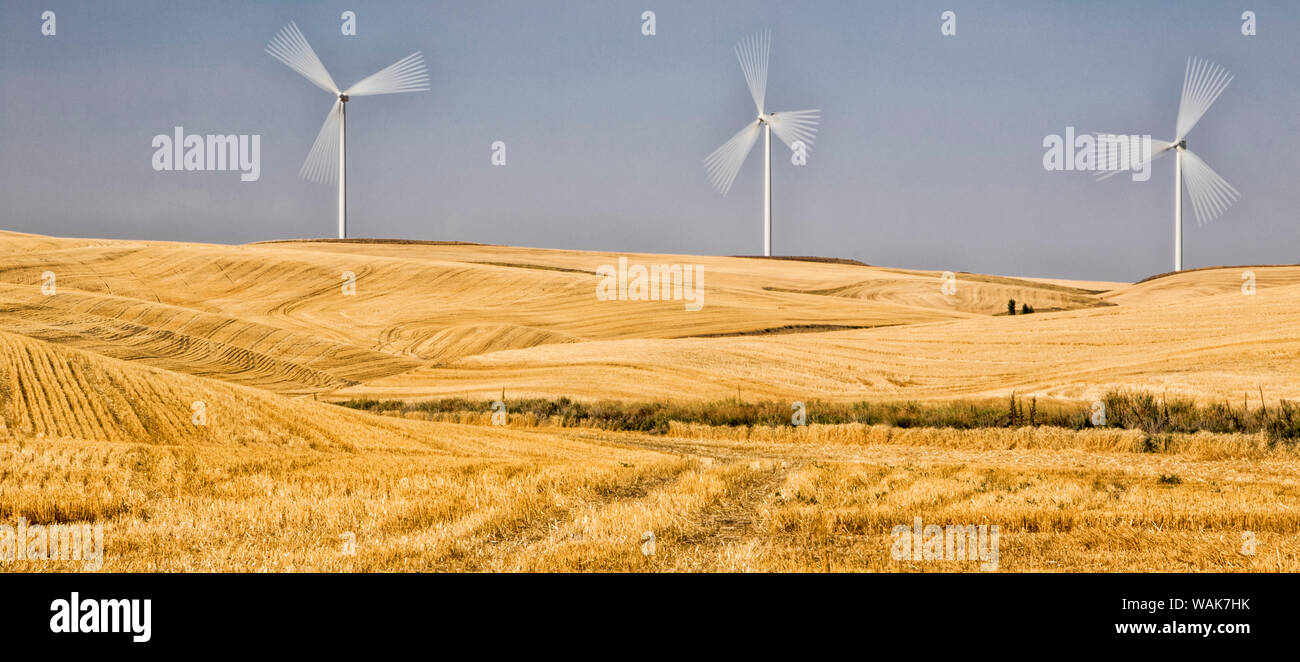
(98, 385)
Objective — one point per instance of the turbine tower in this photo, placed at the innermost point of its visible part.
(406, 75)
(794, 128)
(1211, 195)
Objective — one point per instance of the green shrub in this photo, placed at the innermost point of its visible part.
(1158, 417)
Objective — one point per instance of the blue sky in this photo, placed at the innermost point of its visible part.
(929, 154)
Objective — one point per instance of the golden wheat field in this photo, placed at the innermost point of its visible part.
(185, 397)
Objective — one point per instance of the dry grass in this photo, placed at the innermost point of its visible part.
(808, 500)
(97, 385)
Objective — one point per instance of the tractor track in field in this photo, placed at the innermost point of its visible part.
(499, 551)
(735, 517)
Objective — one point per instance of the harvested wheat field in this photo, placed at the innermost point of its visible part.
(187, 397)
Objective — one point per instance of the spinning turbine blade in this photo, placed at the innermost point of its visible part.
(797, 129)
(322, 162)
(291, 48)
(795, 125)
(753, 52)
(406, 75)
(327, 161)
(1203, 82)
(1211, 195)
(724, 163)
(1109, 162)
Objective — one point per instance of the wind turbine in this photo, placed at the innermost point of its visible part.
(1211, 195)
(792, 127)
(406, 75)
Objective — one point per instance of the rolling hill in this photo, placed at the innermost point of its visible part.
(440, 319)
(100, 376)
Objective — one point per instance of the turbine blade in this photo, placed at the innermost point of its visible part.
(1203, 82)
(322, 162)
(1110, 162)
(753, 52)
(1211, 195)
(291, 48)
(724, 163)
(796, 125)
(405, 75)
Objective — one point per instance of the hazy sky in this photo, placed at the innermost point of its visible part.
(929, 156)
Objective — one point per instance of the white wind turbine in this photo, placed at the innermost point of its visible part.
(406, 75)
(792, 127)
(1211, 195)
